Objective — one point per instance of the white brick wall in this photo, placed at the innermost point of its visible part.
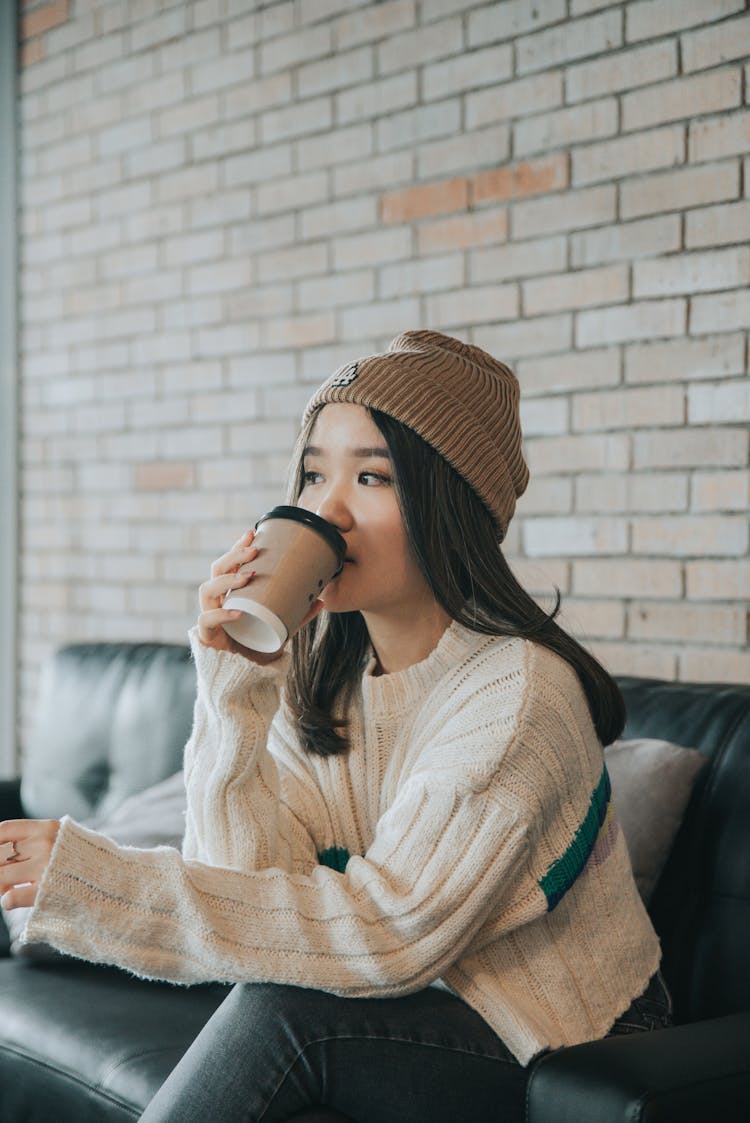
(221, 205)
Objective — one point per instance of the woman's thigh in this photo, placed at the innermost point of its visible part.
(270, 1052)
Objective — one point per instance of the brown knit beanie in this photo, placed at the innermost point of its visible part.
(456, 397)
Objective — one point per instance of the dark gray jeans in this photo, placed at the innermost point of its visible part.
(273, 1053)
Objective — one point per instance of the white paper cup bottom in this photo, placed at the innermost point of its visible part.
(258, 628)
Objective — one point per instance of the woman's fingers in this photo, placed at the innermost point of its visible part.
(244, 539)
(27, 837)
(241, 552)
(210, 630)
(16, 831)
(20, 896)
(212, 593)
(27, 845)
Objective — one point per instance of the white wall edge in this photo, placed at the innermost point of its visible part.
(8, 389)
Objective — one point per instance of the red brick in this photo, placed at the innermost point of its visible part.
(159, 475)
(418, 202)
(43, 19)
(532, 177)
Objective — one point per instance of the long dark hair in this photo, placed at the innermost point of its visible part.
(456, 542)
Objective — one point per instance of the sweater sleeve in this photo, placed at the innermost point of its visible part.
(238, 813)
(443, 859)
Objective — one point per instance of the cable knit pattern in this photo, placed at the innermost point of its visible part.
(471, 776)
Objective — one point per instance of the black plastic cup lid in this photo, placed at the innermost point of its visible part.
(315, 522)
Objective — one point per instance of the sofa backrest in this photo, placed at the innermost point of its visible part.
(111, 719)
(701, 906)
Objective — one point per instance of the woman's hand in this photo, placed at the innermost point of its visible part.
(225, 577)
(25, 848)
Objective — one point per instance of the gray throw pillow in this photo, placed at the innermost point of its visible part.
(154, 817)
(651, 784)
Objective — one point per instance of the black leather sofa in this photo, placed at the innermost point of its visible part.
(86, 1044)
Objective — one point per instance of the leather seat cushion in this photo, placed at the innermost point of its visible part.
(111, 1043)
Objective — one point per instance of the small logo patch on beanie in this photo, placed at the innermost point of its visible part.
(345, 376)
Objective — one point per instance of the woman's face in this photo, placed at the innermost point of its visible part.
(348, 480)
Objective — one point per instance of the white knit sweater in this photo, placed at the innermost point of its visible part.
(466, 839)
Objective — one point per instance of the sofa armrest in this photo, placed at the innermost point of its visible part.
(10, 800)
(687, 1072)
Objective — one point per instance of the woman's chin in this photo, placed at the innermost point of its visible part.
(332, 598)
(339, 596)
(338, 604)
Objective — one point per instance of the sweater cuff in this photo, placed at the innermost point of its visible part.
(226, 673)
(70, 892)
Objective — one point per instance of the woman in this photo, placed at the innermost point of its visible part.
(411, 805)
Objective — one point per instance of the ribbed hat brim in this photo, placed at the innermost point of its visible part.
(456, 397)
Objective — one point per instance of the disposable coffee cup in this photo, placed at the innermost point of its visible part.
(298, 554)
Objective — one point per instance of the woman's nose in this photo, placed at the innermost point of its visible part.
(333, 508)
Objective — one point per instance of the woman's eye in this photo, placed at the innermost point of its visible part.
(310, 477)
(373, 479)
